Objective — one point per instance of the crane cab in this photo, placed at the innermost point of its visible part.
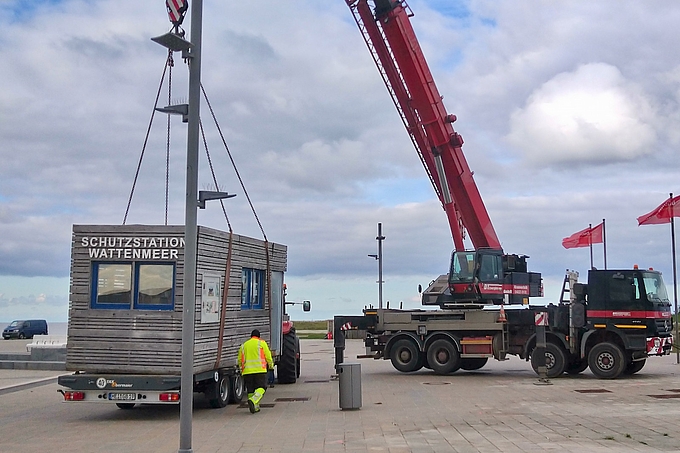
(488, 276)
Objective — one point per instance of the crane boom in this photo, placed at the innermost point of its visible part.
(485, 275)
(395, 49)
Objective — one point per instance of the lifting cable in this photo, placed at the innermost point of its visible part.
(168, 62)
(245, 191)
(233, 164)
(171, 63)
(227, 270)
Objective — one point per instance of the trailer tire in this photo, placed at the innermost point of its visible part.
(405, 356)
(286, 368)
(555, 360)
(577, 367)
(219, 392)
(606, 360)
(472, 364)
(634, 367)
(443, 357)
(125, 406)
(238, 388)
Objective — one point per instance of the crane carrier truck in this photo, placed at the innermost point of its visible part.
(611, 323)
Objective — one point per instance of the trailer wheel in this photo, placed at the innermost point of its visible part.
(443, 357)
(555, 360)
(473, 363)
(606, 361)
(405, 356)
(634, 367)
(126, 406)
(286, 368)
(218, 392)
(577, 367)
(238, 388)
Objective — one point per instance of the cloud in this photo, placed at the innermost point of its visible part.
(590, 115)
(560, 132)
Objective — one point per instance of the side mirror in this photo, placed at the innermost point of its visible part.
(420, 289)
(306, 305)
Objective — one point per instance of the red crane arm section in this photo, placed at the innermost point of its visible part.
(395, 48)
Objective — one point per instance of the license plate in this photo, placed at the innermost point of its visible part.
(122, 396)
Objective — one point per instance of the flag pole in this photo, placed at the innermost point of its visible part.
(675, 282)
(590, 243)
(604, 242)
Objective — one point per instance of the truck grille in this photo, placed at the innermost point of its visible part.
(664, 325)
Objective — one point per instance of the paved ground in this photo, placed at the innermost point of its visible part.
(496, 409)
(13, 345)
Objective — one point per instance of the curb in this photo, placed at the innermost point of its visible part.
(27, 385)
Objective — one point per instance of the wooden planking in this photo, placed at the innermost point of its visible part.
(135, 341)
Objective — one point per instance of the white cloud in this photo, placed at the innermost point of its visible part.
(589, 115)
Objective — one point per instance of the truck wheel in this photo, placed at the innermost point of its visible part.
(473, 364)
(297, 357)
(286, 368)
(126, 406)
(555, 360)
(218, 393)
(577, 367)
(238, 388)
(405, 356)
(443, 357)
(634, 367)
(606, 361)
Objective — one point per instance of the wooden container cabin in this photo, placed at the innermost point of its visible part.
(126, 298)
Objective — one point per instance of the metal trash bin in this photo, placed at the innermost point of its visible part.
(349, 377)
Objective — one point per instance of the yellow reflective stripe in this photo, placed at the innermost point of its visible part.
(630, 326)
(600, 326)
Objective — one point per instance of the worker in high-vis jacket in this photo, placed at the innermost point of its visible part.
(255, 359)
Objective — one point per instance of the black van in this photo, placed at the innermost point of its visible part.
(25, 329)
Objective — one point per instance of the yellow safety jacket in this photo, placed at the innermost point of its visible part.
(254, 356)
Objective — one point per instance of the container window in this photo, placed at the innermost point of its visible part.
(252, 289)
(155, 286)
(143, 286)
(113, 288)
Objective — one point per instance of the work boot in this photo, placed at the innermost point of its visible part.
(252, 407)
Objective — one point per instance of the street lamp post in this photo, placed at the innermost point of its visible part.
(379, 258)
(190, 224)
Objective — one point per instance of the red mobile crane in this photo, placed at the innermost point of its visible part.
(611, 324)
(483, 275)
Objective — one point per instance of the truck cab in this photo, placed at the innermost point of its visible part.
(633, 303)
(630, 300)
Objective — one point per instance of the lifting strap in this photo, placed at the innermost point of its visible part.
(225, 293)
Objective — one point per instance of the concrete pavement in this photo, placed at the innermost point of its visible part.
(496, 409)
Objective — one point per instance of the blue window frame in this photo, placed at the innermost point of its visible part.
(252, 289)
(111, 285)
(139, 285)
(154, 286)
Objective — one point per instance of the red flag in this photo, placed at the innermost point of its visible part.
(662, 214)
(585, 238)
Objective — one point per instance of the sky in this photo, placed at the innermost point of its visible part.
(569, 112)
